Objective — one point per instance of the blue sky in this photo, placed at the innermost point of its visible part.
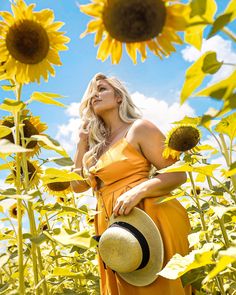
(160, 79)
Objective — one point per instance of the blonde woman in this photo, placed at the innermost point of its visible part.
(114, 155)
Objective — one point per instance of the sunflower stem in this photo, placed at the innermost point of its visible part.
(228, 158)
(21, 288)
(229, 33)
(34, 249)
(218, 279)
(31, 220)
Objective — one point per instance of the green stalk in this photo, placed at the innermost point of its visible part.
(21, 289)
(33, 229)
(227, 158)
(218, 279)
(31, 217)
(229, 33)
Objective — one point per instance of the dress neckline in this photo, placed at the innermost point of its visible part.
(118, 141)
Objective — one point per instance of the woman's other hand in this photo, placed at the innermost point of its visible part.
(127, 201)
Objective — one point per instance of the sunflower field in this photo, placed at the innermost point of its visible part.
(57, 253)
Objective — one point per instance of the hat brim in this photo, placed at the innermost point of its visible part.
(143, 222)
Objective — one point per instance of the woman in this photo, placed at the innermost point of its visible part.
(114, 154)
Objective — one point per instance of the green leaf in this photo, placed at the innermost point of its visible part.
(65, 161)
(210, 63)
(219, 23)
(201, 15)
(46, 98)
(189, 120)
(50, 144)
(8, 87)
(6, 147)
(197, 7)
(59, 175)
(12, 106)
(181, 166)
(178, 265)
(22, 197)
(39, 239)
(80, 239)
(231, 171)
(65, 271)
(231, 8)
(193, 77)
(221, 90)
(4, 131)
(227, 126)
(226, 257)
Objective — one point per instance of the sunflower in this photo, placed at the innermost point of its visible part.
(13, 210)
(31, 126)
(34, 172)
(29, 42)
(137, 23)
(60, 189)
(181, 138)
(43, 225)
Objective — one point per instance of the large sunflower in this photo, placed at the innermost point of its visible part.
(34, 171)
(182, 138)
(60, 189)
(29, 42)
(31, 126)
(137, 23)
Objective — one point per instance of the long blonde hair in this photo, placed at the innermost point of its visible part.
(98, 133)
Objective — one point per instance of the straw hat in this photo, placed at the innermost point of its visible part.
(132, 246)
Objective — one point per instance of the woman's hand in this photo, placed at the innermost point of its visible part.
(127, 201)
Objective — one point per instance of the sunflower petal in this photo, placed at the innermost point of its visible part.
(104, 49)
(93, 9)
(153, 46)
(45, 16)
(142, 50)
(7, 17)
(116, 51)
(54, 57)
(98, 36)
(131, 49)
(92, 26)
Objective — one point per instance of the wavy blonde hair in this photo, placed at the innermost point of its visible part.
(98, 132)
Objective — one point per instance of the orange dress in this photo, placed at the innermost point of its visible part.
(121, 168)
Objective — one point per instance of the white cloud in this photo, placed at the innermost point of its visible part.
(160, 112)
(73, 109)
(157, 111)
(224, 51)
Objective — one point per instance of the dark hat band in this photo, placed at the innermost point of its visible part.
(141, 239)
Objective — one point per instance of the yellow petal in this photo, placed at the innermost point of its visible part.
(104, 49)
(172, 36)
(45, 16)
(165, 44)
(131, 49)
(116, 51)
(92, 27)
(153, 46)
(54, 57)
(98, 36)
(142, 50)
(7, 17)
(93, 9)
(55, 26)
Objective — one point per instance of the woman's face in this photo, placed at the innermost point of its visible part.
(105, 98)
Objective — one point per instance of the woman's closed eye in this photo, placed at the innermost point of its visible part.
(101, 89)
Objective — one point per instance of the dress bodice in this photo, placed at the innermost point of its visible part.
(120, 161)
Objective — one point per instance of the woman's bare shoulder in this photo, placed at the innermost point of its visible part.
(143, 127)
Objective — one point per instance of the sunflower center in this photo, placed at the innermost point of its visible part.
(29, 130)
(184, 138)
(134, 20)
(14, 211)
(27, 42)
(58, 186)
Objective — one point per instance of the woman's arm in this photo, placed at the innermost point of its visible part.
(159, 185)
(79, 186)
